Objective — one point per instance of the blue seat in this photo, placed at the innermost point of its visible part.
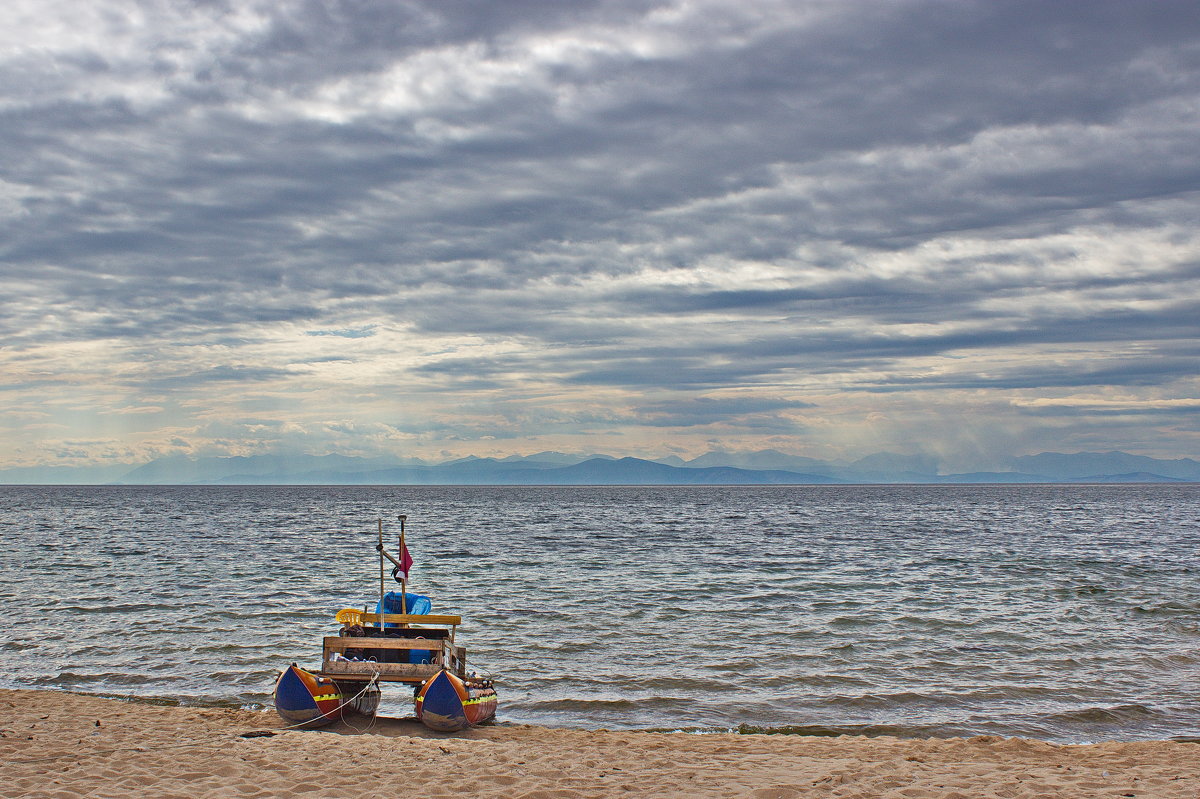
(417, 605)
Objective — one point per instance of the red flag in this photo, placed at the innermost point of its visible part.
(406, 560)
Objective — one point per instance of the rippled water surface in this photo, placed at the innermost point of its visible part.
(1064, 612)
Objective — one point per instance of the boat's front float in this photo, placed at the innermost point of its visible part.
(307, 700)
(448, 703)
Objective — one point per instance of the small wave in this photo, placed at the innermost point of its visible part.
(1188, 629)
(853, 621)
(1168, 608)
(136, 607)
(626, 704)
(866, 730)
(1012, 692)
(68, 679)
(932, 623)
(16, 646)
(574, 647)
(1079, 590)
(228, 649)
(238, 702)
(982, 648)
(817, 681)
(1117, 714)
(892, 700)
(228, 678)
(609, 682)
(1170, 662)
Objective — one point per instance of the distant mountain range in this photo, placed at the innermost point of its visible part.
(766, 467)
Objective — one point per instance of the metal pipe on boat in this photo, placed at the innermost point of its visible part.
(382, 608)
(404, 574)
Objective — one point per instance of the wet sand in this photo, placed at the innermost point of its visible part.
(55, 744)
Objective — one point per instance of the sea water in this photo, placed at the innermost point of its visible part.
(1070, 613)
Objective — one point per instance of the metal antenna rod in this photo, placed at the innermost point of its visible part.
(382, 608)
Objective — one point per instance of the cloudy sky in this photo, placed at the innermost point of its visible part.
(432, 229)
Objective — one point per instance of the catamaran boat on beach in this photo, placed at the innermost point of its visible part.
(402, 642)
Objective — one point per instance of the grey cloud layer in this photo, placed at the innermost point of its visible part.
(687, 197)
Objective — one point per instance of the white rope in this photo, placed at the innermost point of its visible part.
(374, 681)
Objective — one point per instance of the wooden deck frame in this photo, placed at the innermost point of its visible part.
(443, 650)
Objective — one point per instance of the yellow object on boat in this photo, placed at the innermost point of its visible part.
(349, 616)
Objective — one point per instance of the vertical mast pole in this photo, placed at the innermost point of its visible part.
(382, 607)
(403, 576)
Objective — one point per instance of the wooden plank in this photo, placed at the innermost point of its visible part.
(340, 669)
(339, 644)
(347, 678)
(413, 618)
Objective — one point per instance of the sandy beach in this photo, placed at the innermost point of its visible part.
(55, 744)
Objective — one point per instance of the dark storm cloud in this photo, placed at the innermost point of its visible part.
(1188, 411)
(692, 126)
(709, 361)
(362, 332)
(478, 372)
(1167, 336)
(222, 374)
(1129, 372)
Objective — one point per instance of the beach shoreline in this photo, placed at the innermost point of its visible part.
(59, 744)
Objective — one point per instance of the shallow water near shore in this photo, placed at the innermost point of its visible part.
(1070, 613)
